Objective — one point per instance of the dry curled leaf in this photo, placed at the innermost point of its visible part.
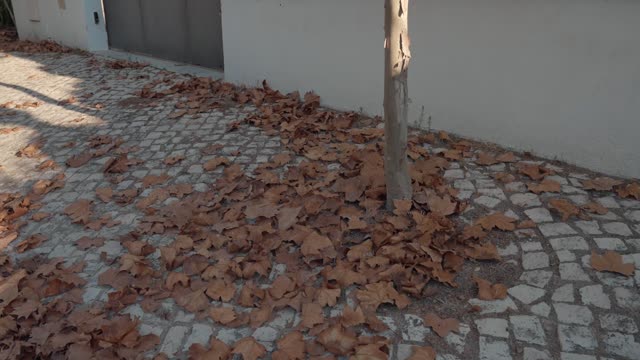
(337, 340)
(488, 291)
(547, 185)
(79, 211)
(215, 162)
(611, 261)
(596, 208)
(249, 348)
(629, 190)
(600, 183)
(564, 207)
(497, 220)
(423, 353)
(442, 327)
(290, 347)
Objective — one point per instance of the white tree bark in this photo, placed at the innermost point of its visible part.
(396, 100)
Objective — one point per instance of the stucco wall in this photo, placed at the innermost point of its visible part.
(72, 25)
(560, 78)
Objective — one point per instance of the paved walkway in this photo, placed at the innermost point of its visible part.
(557, 307)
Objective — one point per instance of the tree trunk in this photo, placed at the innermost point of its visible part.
(396, 101)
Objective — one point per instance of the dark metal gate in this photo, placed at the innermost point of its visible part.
(188, 31)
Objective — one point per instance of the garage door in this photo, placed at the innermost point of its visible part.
(187, 31)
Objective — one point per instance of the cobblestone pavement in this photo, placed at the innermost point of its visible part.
(558, 306)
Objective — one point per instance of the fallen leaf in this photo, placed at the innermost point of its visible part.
(9, 287)
(337, 341)
(311, 315)
(596, 208)
(488, 291)
(249, 348)
(87, 242)
(79, 211)
(442, 327)
(223, 315)
(547, 185)
(486, 159)
(497, 220)
(564, 207)
(611, 261)
(370, 352)
(172, 160)
(215, 162)
(600, 184)
(79, 159)
(30, 243)
(104, 193)
(290, 347)
(423, 353)
(629, 190)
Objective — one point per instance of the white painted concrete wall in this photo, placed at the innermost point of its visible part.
(560, 78)
(72, 25)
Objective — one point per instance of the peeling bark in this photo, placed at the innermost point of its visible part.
(396, 100)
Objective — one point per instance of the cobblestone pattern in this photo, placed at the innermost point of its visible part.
(558, 306)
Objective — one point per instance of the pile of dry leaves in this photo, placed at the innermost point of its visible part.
(304, 231)
(9, 42)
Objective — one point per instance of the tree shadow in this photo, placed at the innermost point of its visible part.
(75, 100)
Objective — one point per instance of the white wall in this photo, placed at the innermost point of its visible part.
(72, 25)
(560, 78)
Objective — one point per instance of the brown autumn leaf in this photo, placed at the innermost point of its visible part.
(497, 220)
(314, 244)
(151, 180)
(337, 340)
(547, 185)
(611, 261)
(327, 297)
(600, 183)
(311, 315)
(104, 193)
(79, 159)
(9, 287)
(564, 207)
(423, 353)
(535, 172)
(370, 352)
(629, 190)
(215, 162)
(177, 114)
(595, 208)
(287, 217)
(485, 159)
(218, 350)
(290, 347)
(402, 207)
(223, 315)
(262, 209)
(352, 317)
(30, 243)
(373, 295)
(79, 211)
(86, 242)
(32, 150)
(47, 165)
(488, 291)
(441, 205)
(482, 251)
(507, 157)
(172, 160)
(39, 216)
(442, 327)
(249, 348)
(176, 278)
